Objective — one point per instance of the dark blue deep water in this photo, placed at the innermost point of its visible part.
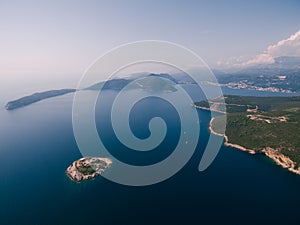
(37, 145)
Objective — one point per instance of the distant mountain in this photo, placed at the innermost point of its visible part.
(151, 84)
(119, 83)
(287, 62)
(114, 84)
(281, 76)
(154, 85)
(164, 75)
(287, 65)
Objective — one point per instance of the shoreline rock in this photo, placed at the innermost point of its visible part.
(279, 158)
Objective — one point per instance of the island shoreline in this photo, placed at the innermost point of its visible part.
(279, 158)
(87, 168)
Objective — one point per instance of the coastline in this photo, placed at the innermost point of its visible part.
(36, 97)
(279, 158)
(227, 143)
(207, 109)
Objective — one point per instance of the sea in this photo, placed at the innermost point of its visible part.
(37, 144)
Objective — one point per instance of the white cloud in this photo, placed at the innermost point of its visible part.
(259, 59)
(286, 47)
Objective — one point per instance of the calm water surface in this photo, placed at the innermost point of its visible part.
(37, 145)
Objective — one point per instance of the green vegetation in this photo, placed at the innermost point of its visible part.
(85, 170)
(275, 123)
(265, 104)
(36, 97)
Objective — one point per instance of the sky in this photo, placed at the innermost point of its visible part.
(63, 37)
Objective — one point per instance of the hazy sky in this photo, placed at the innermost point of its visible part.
(40, 38)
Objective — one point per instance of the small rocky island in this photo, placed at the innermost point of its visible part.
(87, 168)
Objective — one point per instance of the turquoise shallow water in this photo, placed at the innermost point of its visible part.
(37, 145)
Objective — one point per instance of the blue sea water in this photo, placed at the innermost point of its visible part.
(37, 145)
